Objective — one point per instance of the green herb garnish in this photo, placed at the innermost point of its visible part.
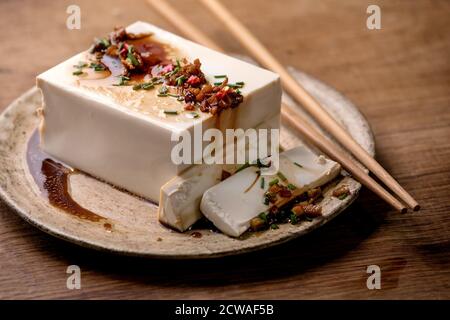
(144, 86)
(343, 196)
(77, 73)
(180, 80)
(293, 218)
(162, 94)
(170, 112)
(131, 58)
(81, 65)
(281, 176)
(173, 95)
(262, 183)
(217, 83)
(298, 164)
(240, 83)
(97, 66)
(220, 76)
(274, 226)
(105, 42)
(291, 186)
(263, 217)
(123, 81)
(274, 181)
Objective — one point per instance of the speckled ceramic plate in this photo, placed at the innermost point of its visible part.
(135, 229)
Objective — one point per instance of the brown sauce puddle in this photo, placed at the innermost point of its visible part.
(52, 178)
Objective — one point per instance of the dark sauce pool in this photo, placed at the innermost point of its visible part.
(52, 178)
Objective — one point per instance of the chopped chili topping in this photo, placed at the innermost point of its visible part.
(186, 80)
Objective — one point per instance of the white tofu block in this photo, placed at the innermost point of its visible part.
(123, 136)
(234, 202)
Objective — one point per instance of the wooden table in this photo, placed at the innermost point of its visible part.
(399, 77)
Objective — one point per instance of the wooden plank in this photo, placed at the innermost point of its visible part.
(399, 76)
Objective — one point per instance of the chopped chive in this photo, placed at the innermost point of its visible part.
(343, 196)
(281, 176)
(240, 83)
(105, 42)
(80, 65)
(220, 76)
(178, 64)
(293, 218)
(234, 86)
(173, 95)
(170, 112)
(263, 183)
(162, 94)
(147, 86)
(298, 164)
(137, 86)
(291, 186)
(123, 81)
(180, 80)
(263, 217)
(238, 91)
(217, 83)
(274, 181)
(274, 226)
(77, 73)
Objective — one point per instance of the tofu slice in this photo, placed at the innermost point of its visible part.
(234, 202)
(123, 136)
(180, 197)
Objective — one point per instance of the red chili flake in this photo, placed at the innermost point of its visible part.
(285, 193)
(222, 93)
(193, 80)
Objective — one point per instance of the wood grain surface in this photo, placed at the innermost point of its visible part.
(399, 77)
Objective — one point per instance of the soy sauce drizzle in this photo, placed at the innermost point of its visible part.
(52, 178)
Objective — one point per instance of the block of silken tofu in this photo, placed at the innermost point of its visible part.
(118, 128)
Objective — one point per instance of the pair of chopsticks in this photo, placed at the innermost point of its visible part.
(301, 124)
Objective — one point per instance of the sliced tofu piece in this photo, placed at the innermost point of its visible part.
(179, 204)
(234, 202)
(180, 197)
(122, 135)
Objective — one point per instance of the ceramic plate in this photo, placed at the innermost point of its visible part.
(134, 228)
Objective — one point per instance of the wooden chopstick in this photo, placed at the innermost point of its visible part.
(306, 100)
(288, 114)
